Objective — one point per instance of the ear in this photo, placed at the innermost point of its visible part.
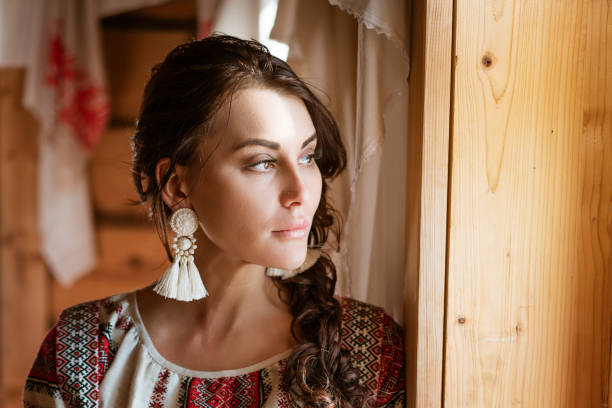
(175, 192)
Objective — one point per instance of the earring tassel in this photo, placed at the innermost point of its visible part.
(168, 283)
(182, 292)
(181, 281)
(198, 291)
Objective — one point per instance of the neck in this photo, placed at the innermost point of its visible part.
(238, 292)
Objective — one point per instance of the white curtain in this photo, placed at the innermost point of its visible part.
(356, 53)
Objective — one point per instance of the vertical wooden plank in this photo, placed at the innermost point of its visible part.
(529, 305)
(23, 279)
(426, 212)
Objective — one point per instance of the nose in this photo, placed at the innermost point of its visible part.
(294, 191)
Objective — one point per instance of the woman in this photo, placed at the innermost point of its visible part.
(232, 151)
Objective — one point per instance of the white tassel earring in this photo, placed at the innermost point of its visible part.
(182, 280)
(312, 256)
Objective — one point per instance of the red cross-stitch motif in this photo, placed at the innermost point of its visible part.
(83, 104)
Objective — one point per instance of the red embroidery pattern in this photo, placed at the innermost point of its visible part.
(159, 391)
(105, 356)
(391, 382)
(84, 106)
(240, 391)
(83, 345)
(77, 354)
(376, 346)
(362, 335)
(42, 378)
(283, 401)
(44, 364)
(111, 307)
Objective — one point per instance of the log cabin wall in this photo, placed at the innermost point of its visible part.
(25, 295)
(130, 254)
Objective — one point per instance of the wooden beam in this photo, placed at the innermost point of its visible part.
(426, 204)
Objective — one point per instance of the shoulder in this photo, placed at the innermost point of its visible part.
(76, 352)
(96, 326)
(85, 319)
(95, 315)
(91, 331)
(376, 345)
(113, 304)
(92, 325)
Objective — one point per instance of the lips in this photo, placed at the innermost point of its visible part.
(296, 229)
(295, 225)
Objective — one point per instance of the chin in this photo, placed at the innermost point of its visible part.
(290, 260)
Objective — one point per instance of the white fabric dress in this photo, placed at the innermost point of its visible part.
(99, 354)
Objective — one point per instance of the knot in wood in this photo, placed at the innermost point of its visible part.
(487, 60)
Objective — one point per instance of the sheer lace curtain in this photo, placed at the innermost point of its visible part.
(356, 54)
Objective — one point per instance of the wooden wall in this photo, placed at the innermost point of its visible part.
(131, 255)
(426, 201)
(529, 295)
(521, 94)
(24, 282)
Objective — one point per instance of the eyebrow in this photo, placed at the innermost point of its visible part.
(269, 144)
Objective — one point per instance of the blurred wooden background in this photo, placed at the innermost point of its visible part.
(131, 255)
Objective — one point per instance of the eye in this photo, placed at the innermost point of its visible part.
(309, 158)
(263, 165)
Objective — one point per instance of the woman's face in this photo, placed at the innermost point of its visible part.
(257, 193)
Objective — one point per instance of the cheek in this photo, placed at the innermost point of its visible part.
(239, 213)
(234, 210)
(315, 187)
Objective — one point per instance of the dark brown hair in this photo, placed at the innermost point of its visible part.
(180, 100)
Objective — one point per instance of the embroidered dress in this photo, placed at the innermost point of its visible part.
(99, 354)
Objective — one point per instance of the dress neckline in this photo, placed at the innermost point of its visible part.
(152, 350)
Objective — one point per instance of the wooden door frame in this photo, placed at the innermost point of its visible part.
(429, 124)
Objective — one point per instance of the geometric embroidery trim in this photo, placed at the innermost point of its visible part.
(158, 397)
(362, 336)
(183, 389)
(265, 385)
(84, 352)
(392, 373)
(239, 391)
(77, 354)
(376, 344)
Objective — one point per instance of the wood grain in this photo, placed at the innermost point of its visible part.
(427, 185)
(529, 307)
